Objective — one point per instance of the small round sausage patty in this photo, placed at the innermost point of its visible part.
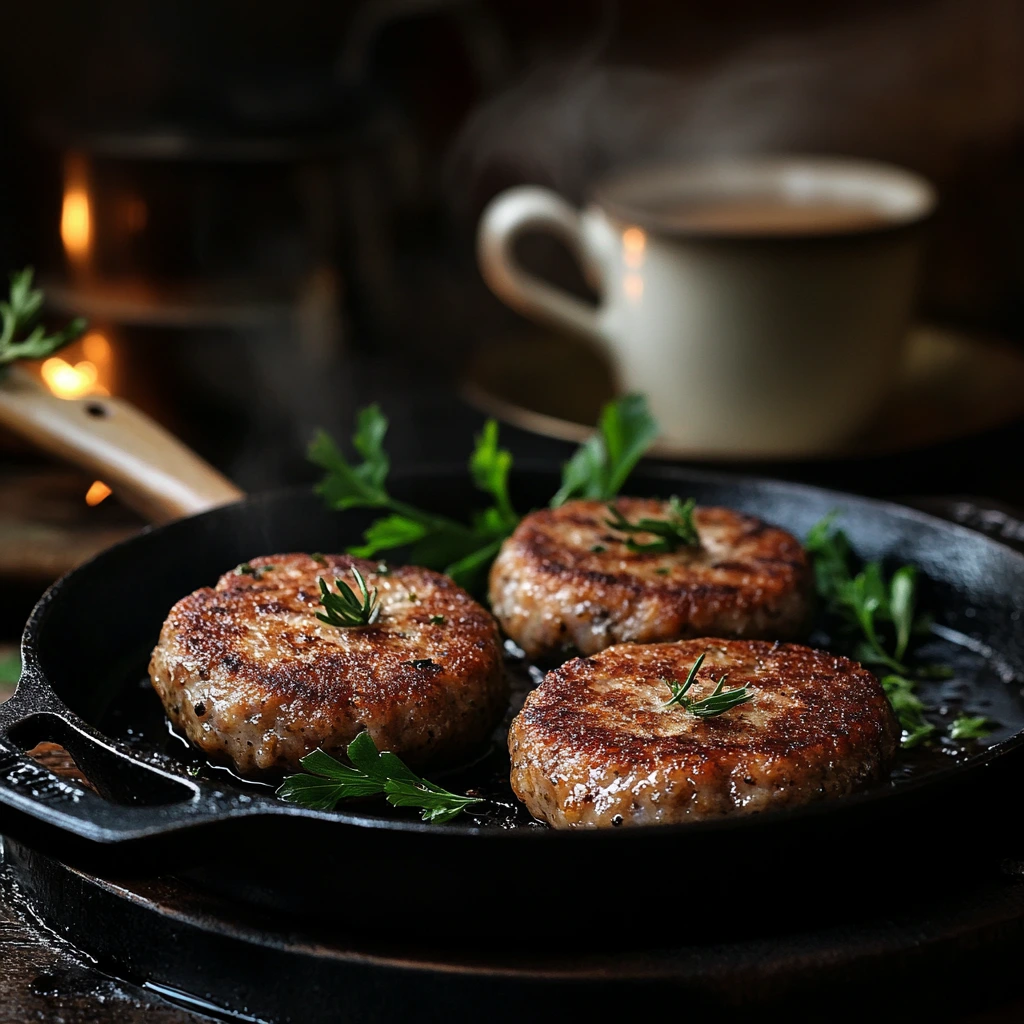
(594, 744)
(248, 672)
(567, 582)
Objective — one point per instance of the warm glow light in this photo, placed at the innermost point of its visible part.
(96, 348)
(67, 381)
(136, 213)
(75, 226)
(75, 214)
(98, 490)
(634, 241)
(633, 286)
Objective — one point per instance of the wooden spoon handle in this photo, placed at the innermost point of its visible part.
(148, 468)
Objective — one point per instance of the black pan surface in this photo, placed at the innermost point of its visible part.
(88, 641)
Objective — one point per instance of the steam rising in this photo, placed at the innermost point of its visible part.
(916, 86)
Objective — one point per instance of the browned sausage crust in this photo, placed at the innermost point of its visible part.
(566, 581)
(248, 672)
(594, 744)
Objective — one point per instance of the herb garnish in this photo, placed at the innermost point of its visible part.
(345, 609)
(882, 610)
(465, 551)
(372, 773)
(318, 556)
(673, 533)
(21, 336)
(603, 462)
(716, 703)
(462, 551)
(882, 614)
(437, 620)
(967, 727)
(909, 710)
(255, 571)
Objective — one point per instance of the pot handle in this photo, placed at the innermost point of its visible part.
(151, 470)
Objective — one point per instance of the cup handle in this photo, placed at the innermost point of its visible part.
(527, 208)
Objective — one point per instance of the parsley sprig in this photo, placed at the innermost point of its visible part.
(326, 781)
(716, 703)
(460, 550)
(21, 336)
(969, 727)
(882, 613)
(673, 533)
(909, 709)
(882, 610)
(604, 461)
(464, 551)
(346, 608)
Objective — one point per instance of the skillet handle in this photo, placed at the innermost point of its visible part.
(129, 814)
(151, 471)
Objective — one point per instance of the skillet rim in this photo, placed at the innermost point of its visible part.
(269, 807)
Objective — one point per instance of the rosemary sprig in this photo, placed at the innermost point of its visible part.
(21, 336)
(328, 781)
(716, 703)
(344, 608)
(675, 532)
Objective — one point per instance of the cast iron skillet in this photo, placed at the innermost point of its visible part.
(87, 642)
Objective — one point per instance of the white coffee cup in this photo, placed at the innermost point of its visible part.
(760, 303)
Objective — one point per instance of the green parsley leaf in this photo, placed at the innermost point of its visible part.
(882, 611)
(602, 463)
(967, 727)
(21, 337)
(361, 485)
(392, 531)
(465, 550)
(373, 773)
(489, 466)
(909, 710)
(902, 590)
(438, 804)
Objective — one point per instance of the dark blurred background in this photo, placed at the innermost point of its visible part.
(267, 211)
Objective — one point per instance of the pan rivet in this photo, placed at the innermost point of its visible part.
(96, 409)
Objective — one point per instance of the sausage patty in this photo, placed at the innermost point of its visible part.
(567, 582)
(594, 744)
(248, 672)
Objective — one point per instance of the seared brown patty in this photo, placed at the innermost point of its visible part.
(249, 673)
(595, 746)
(566, 581)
